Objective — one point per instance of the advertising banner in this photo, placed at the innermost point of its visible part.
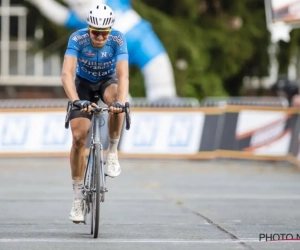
(163, 133)
(181, 133)
(258, 133)
(263, 132)
(34, 133)
(211, 134)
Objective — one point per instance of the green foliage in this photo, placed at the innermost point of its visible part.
(136, 86)
(201, 33)
(186, 42)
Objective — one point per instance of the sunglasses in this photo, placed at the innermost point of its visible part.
(97, 32)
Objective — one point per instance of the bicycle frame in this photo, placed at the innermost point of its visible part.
(96, 139)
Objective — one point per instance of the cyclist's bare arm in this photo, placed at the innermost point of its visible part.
(123, 82)
(68, 73)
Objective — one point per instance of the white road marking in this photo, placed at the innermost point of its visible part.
(236, 197)
(165, 241)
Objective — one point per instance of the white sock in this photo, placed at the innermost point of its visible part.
(77, 189)
(113, 145)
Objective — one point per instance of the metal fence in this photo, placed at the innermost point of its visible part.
(143, 102)
(134, 102)
(245, 101)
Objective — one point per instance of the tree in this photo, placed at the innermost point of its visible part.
(218, 39)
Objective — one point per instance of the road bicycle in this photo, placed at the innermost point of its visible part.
(94, 177)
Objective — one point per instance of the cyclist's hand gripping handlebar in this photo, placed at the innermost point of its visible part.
(117, 107)
(85, 106)
(127, 115)
(82, 105)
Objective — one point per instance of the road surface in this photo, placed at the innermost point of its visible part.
(153, 204)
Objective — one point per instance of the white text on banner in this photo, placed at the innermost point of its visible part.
(164, 133)
(266, 132)
(34, 132)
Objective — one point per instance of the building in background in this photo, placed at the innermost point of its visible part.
(287, 11)
(24, 71)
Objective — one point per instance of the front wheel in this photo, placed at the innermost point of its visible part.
(89, 187)
(92, 219)
(96, 191)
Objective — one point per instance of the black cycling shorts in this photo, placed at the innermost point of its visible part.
(89, 91)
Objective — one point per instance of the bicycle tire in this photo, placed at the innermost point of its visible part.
(102, 182)
(92, 219)
(88, 183)
(91, 204)
(96, 194)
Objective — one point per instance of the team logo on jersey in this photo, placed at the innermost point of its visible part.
(118, 39)
(76, 38)
(90, 53)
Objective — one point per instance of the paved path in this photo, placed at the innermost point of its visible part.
(153, 205)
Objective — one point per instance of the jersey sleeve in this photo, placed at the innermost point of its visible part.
(73, 46)
(121, 47)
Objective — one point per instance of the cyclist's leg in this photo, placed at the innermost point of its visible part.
(80, 124)
(108, 94)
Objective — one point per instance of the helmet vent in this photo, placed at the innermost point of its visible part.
(97, 6)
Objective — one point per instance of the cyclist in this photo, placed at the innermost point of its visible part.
(97, 58)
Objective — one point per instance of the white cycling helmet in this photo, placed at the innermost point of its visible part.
(101, 16)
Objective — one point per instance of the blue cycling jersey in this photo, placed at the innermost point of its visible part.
(95, 64)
